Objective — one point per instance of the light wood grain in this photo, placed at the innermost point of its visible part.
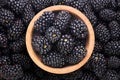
(89, 45)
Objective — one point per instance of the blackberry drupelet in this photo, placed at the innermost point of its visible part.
(4, 60)
(61, 20)
(3, 40)
(44, 22)
(17, 5)
(6, 17)
(28, 76)
(77, 55)
(53, 34)
(16, 30)
(53, 59)
(41, 45)
(112, 48)
(11, 72)
(65, 44)
(111, 75)
(114, 28)
(107, 15)
(113, 62)
(102, 33)
(79, 29)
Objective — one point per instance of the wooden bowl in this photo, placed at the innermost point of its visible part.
(89, 44)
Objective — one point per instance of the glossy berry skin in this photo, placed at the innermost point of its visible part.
(3, 40)
(41, 45)
(53, 34)
(65, 44)
(53, 59)
(79, 29)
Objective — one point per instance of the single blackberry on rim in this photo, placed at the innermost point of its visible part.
(111, 75)
(3, 40)
(6, 17)
(65, 44)
(79, 29)
(53, 59)
(41, 45)
(44, 22)
(107, 14)
(17, 5)
(4, 60)
(11, 72)
(77, 55)
(102, 33)
(53, 34)
(113, 62)
(112, 48)
(16, 30)
(62, 20)
(114, 28)
(28, 76)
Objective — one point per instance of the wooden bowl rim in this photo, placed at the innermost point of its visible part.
(89, 46)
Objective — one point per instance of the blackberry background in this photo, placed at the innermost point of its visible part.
(8, 15)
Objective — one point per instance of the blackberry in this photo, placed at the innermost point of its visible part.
(65, 44)
(3, 40)
(17, 5)
(111, 75)
(41, 45)
(17, 46)
(79, 4)
(21, 59)
(53, 34)
(4, 60)
(2, 3)
(28, 76)
(102, 33)
(44, 22)
(98, 47)
(6, 17)
(62, 20)
(16, 30)
(98, 64)
(107, 15)
(28, 14)
(112, 48)
(53, 59)
(77, 55)
(113, 5)
(11, 72)
(79, 29)
(40, 4)
(67, 2)
(113, 62)
(55, 2)
(114, 30)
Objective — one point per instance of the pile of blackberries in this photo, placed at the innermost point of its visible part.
(15, 15)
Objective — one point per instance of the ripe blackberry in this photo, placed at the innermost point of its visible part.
(98, 47)
(107, 15)
(67, 2)
(3, 40)
(3, 2)
(41, 45)
(65, 44)
(102, 33)
(4, 60)
(21, 59)
(40, 4)
(98, 64)
(18, 46)
(79, 29)
(53, 59)
(62, 20)
(111, 75)
(53, 34)
(11, 72)
(77, 55)
(17, 5)
(28, 14)
(28, 76)
(44, 22)
(16, 30)
(79, 4)
(113, 62)
(114, 28)
(112, 48)
(6, 17)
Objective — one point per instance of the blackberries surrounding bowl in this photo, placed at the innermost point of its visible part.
(37, 53)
